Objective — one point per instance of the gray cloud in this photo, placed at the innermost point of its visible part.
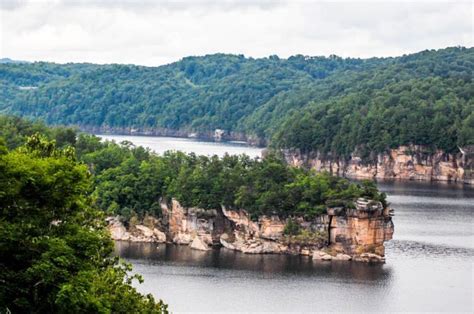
(157, 32)
(11, 4)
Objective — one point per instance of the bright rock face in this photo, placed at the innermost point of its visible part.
(360, 230)
(184, 224)
(407, 163)
(199, 244)
(341, 234)
(138, 233)
(117, 229)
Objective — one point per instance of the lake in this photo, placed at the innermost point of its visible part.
(429, 263)
(187, 145)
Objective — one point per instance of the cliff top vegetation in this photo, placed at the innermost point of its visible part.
(131, 180)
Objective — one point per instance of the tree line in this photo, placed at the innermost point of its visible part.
(370, 105)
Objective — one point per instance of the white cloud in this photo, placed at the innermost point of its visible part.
(157, 32)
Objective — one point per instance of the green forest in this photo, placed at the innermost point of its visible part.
(329, 104)
(129, 180)
(57, 186)
(55, 250)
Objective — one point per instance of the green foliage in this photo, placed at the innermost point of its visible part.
(199, 93)
(373, 121)
(267, 186)
(331, 105)
(131, 181)
(291, 228)
(307, 237)
(55, 252)
(15, 131)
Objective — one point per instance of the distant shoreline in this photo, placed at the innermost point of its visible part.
(194, 139)
(217, 136)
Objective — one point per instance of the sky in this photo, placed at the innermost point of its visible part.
(158, 32)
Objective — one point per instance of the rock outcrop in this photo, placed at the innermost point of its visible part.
(138, 233)
(342, 234)
(363, 229)
(199, 244)
(406, 162)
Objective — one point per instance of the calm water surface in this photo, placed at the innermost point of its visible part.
(429, 265)
(187, 145)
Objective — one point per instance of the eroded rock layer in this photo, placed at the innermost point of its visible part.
(407, 163)
(341, 234)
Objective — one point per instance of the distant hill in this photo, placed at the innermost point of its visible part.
(330, 104)
(8, 60)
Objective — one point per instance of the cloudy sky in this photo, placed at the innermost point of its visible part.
(157, 32)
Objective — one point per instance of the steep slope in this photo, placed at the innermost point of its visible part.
(196, 93)
(333, 108)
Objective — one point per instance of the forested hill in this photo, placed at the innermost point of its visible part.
(330, 104)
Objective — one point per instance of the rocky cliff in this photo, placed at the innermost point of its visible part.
(406, 162)
(341, 234)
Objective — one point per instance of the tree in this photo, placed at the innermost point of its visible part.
(55, 252)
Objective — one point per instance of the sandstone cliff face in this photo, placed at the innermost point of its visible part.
(138, 233)
(407, 162)
(185, 224)
(341, 234)
(360, 230)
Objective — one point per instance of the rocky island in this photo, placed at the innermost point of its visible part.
(341, 234)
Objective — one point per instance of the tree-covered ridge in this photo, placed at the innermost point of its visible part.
(197, 93)
(131, 180)
(55, 252)
(433, 112)
(265, 97)
(450, 63)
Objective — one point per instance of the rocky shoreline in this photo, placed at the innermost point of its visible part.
(342, 234)
(406, 163)
(413, 162)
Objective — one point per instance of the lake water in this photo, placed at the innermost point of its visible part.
(187, 145)
(429, 265)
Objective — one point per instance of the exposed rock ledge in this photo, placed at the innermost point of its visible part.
(340, 235)
(139, 233)
(407, 162)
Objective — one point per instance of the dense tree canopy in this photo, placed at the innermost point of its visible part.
(129, 180)
(137, 181)
(413, 99)
(55, 253)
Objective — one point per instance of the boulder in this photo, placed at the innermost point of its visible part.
(198, 244)
(272, 247)
(117, 229)
(254, 249)
(182, 238)
(144, 231)
(342, 257)
(321, 256)
(159, 236)
(369, 258)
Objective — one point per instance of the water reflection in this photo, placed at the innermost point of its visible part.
(267, 264)
(429, 266)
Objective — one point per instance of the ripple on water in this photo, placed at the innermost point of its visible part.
(415, 249)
